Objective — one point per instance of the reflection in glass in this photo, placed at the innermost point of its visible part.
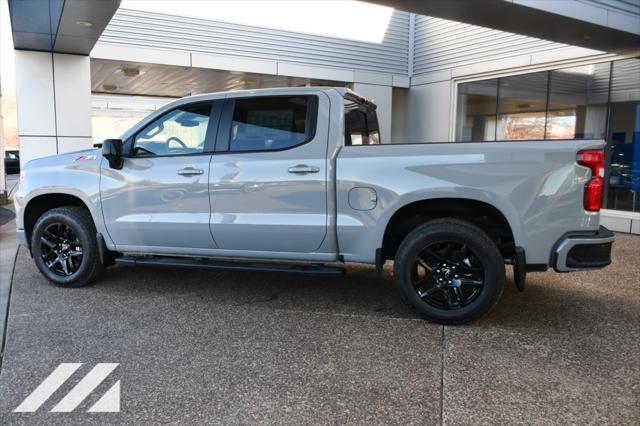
(477, 105)
(578, 102)
(569, 103)
(624, 154)
(522, 107)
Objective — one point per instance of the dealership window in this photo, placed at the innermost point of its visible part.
(477, 106)
(522, 103)
(112, 124)
(112, 115)
(566, 103)
(595, 101)
(578, 102)
(624, 137)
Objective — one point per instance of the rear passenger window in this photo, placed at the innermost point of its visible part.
(272, 123)
(360, 124)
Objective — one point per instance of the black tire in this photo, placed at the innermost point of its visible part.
(466, 288)
(78, 231)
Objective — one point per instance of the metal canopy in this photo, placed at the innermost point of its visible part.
(61, 26)
(74, 26)
(553, 21)
(137, 78)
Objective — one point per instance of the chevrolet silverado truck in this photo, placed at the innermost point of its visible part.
(297, 180)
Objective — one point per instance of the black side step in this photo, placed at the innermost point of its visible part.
(178, 262)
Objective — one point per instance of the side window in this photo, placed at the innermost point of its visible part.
(360, 124)
(272, 123)
(178, 132)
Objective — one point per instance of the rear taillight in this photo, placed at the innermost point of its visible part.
(594, 160)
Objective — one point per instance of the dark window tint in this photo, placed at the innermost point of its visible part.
(180, 131)
(272, 123)
(360, 124)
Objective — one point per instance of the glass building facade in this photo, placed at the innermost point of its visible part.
(597, 101)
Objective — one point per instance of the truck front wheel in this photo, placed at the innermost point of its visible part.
(64, 247)
(449, 271)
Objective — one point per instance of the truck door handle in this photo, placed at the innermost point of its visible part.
(303, 169)
(190, 171)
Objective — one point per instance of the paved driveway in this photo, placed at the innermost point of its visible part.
(244, 348)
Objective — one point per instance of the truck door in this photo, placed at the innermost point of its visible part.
(268, 179)
(159, 200)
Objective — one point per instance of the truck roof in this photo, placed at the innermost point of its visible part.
(343, 91)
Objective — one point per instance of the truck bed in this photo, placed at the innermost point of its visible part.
(536, 185)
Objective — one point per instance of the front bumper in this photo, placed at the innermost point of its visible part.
(583, 250)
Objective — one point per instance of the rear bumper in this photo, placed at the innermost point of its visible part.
(583, 250)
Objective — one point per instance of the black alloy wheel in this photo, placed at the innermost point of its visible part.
(450, 271)
(61, 249)
(65, 248)
(448, 275)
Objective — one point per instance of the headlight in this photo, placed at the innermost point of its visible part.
(23, 175)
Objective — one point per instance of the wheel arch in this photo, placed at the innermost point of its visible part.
(42, 203)
(480, 213)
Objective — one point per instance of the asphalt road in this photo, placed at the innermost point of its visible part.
(245, 348)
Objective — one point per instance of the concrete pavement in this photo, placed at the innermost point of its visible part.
(244, 348)
(8, 251)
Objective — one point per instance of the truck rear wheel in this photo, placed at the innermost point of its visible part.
(449, 271)
(64, 247)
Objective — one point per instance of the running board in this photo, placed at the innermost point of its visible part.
(177, 262)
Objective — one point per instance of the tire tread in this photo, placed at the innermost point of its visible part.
(452, 225)
(82, 218)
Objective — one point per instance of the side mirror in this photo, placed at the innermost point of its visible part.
(112, 151)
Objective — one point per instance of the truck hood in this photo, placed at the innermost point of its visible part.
(67, 159)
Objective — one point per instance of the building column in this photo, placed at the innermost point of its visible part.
(382, 97)
(53, 94)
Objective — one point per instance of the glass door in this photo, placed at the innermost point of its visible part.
(624, 137)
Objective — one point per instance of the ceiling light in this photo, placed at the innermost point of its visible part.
(85, 24)
(130, 72)
(109, 87)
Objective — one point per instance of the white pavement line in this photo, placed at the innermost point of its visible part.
(84, 387)
(109, 402)
(48, 386)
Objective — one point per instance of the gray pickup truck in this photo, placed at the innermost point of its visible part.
(297, 180)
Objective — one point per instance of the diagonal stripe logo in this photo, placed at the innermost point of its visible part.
(108, 403)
